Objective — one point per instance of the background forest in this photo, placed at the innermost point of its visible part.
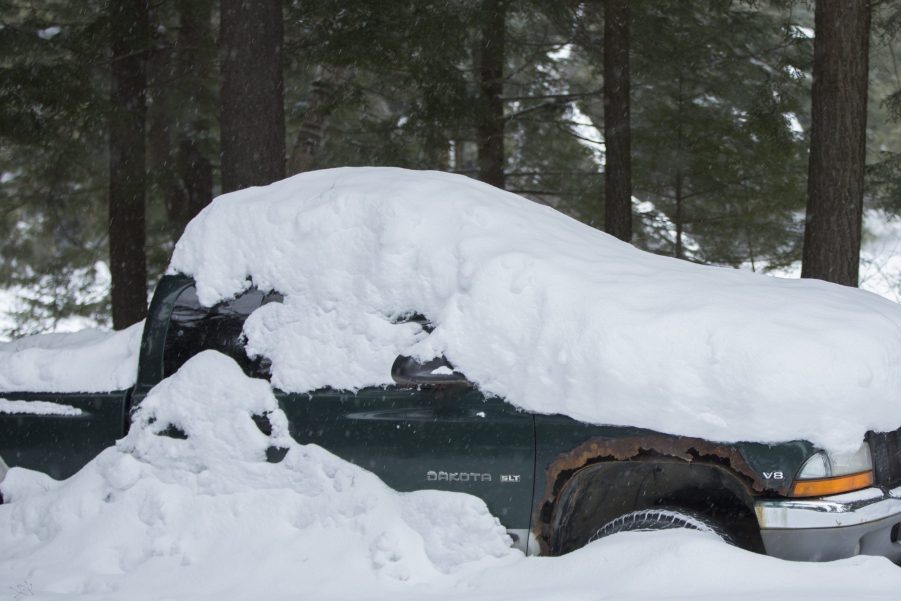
(510, 92)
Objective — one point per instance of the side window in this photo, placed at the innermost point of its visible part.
(194, 328)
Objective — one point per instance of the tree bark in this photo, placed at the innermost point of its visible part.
(163, 115)
(195, 173)
(252, 94)
(490, 129)
(312, 129)
(617, 132)
(678, 218)
(837, 142)
(130, 35)
(194, 62)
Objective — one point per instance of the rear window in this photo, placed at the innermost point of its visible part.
(194, 328)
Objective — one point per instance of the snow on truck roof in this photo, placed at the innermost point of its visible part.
(533, 306)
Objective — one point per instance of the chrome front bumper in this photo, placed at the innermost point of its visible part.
(866, 522)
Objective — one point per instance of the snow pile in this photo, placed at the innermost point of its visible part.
(187, 507)
(685, 565)
(87, 361)
(533, 306)
(187, 497)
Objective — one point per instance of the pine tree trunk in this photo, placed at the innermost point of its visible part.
(195, 171)
(678, 218)
(458, 156)
(490, 130)
(129, 30)
(617, 133)
(252, 94)
(837, 141)
(312, 129)
(163, 115)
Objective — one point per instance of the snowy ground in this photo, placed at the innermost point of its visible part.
(159, 518)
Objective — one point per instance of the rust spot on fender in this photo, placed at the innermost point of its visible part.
(636, 448)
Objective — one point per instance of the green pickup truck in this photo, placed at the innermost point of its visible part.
(554, 482)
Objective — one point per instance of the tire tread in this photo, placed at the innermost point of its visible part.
(662, 518)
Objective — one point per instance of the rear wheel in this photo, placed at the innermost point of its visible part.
(662, 518)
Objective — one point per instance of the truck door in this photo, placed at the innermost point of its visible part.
(414, 436)
(441, 437)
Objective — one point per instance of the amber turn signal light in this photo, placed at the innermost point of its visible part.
(821, 487)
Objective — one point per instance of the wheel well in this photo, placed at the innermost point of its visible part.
(601, 492)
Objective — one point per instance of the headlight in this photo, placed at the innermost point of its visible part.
(832, 473)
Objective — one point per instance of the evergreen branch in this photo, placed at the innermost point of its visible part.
(538, 107)
(561, 97)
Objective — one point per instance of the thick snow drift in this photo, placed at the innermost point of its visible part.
(187, 508)
(211, 505)
(86, 361)
(547, 312)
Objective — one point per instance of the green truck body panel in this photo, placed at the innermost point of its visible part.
(787, 457)
(153, 339)
(60, 445)
(450, 437)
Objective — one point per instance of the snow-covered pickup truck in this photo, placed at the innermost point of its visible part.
(449, 345)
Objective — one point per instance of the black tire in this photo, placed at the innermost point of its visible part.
(662, 518)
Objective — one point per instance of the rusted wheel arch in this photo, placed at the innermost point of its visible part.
(571, 470)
